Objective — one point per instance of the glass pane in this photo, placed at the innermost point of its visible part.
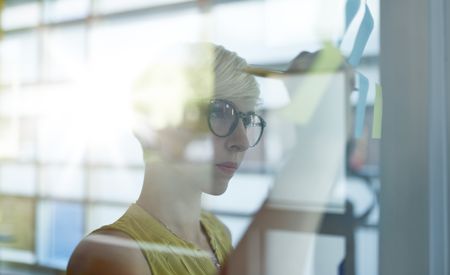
(17, 223)
(99, 215)
(18, 179)
(60, 228)
(62, 182)
(237, 226)
(9, 141)
(255, 32)
(27, 139)
(20, 101)
(20, 16)
(300, 253)
(115, 185)
(245, 30)
(17, 138)
(314, 139)
(105, 6)
(65, 53)
(160, 31)
(366, 250)
(19, 57)
(62, 10)
(121, 148)
(245, 195)
(61, 134)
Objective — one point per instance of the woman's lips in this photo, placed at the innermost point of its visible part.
(227, 167)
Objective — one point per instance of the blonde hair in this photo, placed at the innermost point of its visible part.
(231, 82)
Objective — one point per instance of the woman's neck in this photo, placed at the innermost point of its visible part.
(172, 201)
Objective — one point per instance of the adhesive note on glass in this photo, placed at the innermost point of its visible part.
(377, 113)
(364, 31)
(361, 106)
(307, 93)
(351, 8)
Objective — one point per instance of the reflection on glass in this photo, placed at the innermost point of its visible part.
(301, 253)
(313, 170)
(64, 133)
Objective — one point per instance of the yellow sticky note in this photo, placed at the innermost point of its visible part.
(307, 94)
(377, 113)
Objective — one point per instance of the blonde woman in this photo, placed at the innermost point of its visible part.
(166, 231)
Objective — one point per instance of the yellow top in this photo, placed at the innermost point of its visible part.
(168, 254)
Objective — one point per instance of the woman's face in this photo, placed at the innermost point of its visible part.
(200, 160)
(228, 153)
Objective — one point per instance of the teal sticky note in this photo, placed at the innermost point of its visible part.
(351, 8)
(361, 106)
(364, 31)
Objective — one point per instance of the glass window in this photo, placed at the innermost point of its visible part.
(135, 50)
(366, 250)
(61, 135)
(63, 10)
(245, 195)
(21, 15)
(304, 253)
(65, 54)
(237, 226)
(115, 185)
(120, 148)
(59, 230)
(9, 130)
(18, 179)
(312, 134)
(99, 215)
(63, 144)
(105, 6)
(17, 223)
(62, 181)
(19, 55)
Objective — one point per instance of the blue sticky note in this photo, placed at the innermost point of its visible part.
(361, 106)
(364, 31)
(351, 8)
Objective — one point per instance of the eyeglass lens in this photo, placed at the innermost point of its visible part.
(224, 118)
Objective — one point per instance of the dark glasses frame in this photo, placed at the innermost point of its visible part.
(246, 119)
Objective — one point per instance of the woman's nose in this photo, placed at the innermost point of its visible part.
(238, 140)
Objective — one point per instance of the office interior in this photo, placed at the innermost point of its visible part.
(321, 194)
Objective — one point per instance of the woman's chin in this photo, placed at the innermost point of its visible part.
(217, 188)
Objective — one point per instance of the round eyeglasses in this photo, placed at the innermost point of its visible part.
(223, 119)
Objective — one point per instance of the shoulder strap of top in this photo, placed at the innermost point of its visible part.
(219, 235)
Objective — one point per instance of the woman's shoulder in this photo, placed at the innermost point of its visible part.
(107, 251)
